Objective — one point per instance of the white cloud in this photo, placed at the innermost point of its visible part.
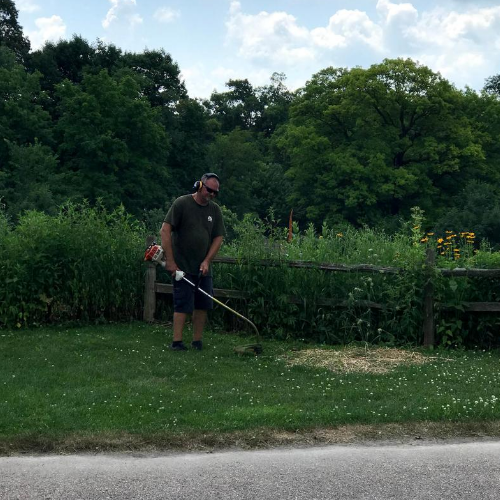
(274, 37)
(166, 14)
(458, 69)
(449, 28)
(49, 29)
(346, 28)
(278, 38)
(27, 6)
(120, 11)
(461, 40)
(397, 13)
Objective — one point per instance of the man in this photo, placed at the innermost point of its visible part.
(191, 236)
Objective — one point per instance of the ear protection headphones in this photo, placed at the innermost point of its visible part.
(199, 184)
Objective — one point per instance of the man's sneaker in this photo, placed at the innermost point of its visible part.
(197, 344)
(178, 346)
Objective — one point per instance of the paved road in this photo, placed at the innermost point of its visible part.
(425, 471)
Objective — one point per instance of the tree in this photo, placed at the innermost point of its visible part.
(238, 107)
(476, 209)
(30, 181)
(492, 85)
(236, 157)
(11, 33)
(111, 143)
(62, 60)
(276, 100)
(363, 144)
(260, 109)
(162, 85)
(191, 135)
(22, 118)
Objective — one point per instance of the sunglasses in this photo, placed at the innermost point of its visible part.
(210, 190)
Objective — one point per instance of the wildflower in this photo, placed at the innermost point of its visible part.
(440, 240)
(430, 234)
(340, 235)
(424, 240)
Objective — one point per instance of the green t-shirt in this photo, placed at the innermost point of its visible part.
(194, 228)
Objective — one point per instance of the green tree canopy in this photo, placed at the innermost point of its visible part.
(111, 142)
(29, 180)
(236, 158)
(22, 118)
(260, 109)
(11, 33)
(363, 144)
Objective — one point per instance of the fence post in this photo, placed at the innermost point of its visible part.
(429, 327)
(149, 288)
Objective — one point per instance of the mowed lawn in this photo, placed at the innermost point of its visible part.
(79, 388)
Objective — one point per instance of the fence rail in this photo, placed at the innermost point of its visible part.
(152, 287)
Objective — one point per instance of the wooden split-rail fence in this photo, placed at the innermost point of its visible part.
(152, 287)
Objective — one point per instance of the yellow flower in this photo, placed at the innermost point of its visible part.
(424, 240)
(340, 235)
(440, 240)
(430, 234)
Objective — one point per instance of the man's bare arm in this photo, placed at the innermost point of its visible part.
(166, 243)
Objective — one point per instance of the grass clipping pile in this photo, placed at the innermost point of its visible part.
(357, 359)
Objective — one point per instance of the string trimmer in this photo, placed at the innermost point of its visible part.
(154, 253)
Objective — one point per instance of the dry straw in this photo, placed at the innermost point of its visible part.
(358, 359)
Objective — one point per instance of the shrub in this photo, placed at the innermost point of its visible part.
(84, 263)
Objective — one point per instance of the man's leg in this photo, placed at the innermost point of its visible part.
(179, 320)
(199, 319)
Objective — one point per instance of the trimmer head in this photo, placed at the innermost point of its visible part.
(248, 349)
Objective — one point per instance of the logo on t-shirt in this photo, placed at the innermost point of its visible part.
(209, 218)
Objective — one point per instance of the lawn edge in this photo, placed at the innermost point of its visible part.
(263, 438)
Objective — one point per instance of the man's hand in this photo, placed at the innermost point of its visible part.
(204, 266)
(171, 267)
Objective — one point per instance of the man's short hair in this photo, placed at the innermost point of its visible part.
(209, 175)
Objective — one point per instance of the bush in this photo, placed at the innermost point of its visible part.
(85, 264)
(326, 306)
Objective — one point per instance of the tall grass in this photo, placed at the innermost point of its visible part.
(328, 307)
(83, 264)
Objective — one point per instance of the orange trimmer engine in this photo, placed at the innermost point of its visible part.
(154, 252)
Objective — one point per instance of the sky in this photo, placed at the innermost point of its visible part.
(213, 41)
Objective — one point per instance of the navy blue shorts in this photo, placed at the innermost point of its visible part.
(186, 299)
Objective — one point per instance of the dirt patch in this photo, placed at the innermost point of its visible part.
(358, 359)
